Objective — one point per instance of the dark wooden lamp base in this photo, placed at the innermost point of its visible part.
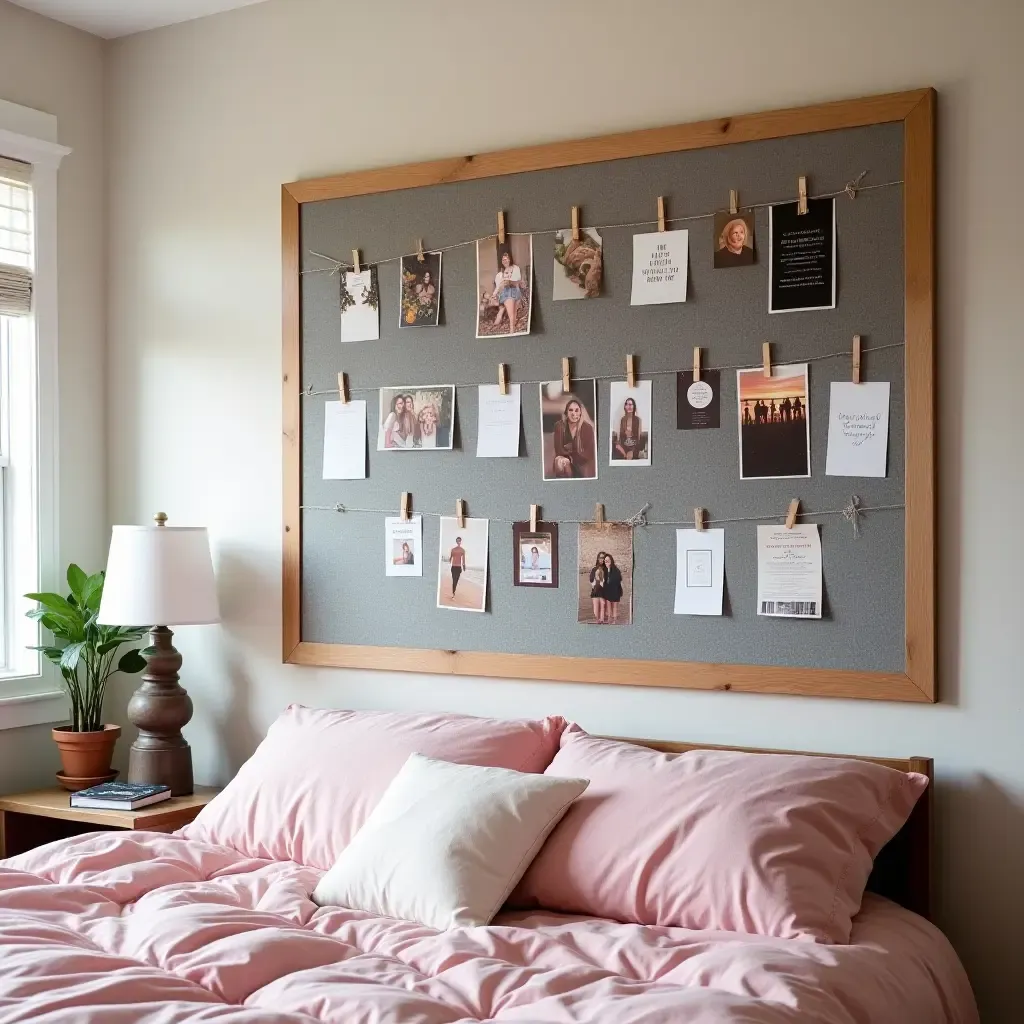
(159, 708)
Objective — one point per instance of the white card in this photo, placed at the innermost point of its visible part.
(789, 571)
(700, 572)
(660, 263)
(858, 429)
(403, 546)
(360, 315)
(498, 422)
(345, 440)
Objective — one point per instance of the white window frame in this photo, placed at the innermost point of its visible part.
(31, 691)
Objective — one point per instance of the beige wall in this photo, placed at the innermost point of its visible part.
(208, 118)
(59, 70)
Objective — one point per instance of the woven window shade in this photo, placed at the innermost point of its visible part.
(15, 238)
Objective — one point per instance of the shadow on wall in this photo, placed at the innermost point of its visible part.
(979, 900)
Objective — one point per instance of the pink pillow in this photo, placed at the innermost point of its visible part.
(314, 780)
(771, 844)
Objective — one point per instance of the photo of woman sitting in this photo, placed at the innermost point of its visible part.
(574, 446)
(629, 442)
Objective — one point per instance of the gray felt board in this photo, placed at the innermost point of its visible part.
(346, 597)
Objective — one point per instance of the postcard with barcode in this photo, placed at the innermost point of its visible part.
(789, 571)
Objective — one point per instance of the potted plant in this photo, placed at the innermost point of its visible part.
(84, 651)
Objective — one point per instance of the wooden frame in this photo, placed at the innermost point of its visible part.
(902, 869)
(916, 111)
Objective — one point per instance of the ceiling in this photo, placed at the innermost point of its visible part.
(113, 18)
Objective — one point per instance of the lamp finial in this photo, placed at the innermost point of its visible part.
(160, 519)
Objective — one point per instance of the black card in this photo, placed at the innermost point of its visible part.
(698, 404)
(802, 268)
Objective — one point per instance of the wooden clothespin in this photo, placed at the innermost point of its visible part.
(501, 225)
(419, 251)
(696, 362)
(734, 200)
(856, 359)
(342, 388)
(794, 510)
(405, 506)
(460, 513)
(575, 223)
(801, 185)
(534, 516)
(630, 372)
(661, 213)
(503, 378)
(599, 514)
(698, 519)
(566, 381)
(766, 358)
(355, 260)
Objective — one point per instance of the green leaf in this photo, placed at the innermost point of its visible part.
(76, 581)
(131, 662)
(70, 656)
(51, 653)
(55, 603)
(93, 591)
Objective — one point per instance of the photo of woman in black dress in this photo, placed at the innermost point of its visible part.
(612, 589)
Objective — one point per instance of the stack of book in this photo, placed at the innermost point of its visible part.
(120, 796)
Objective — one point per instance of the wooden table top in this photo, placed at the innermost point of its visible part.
(55, 803)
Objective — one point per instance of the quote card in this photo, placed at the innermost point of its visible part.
(498, 423)
(403, 546)
(700, 572)
(789, 571)
(802, 257)
(698, 402)
(858, 429)
(660, 265)
(345, 440)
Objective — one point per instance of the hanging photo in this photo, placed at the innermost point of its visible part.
(535, 555)
(775, 434)
(568, 423)
(421, 291)
(504, 272)
(802, 257)
(734, 240)
(403, 546)
(360, 302)
(605, 574)
(578, 264)
(462, 565)
(698, 402)
(660, 261)
(416, 418)
(629, 430)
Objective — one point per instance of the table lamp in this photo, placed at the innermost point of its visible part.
(160, 574)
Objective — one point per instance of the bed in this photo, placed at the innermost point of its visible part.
(142, 927)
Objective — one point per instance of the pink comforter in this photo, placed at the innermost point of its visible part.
(141, 927)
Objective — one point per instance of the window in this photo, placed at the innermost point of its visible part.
(18, 422)
(29, 688)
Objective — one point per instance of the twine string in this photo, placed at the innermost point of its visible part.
(850, 189)
(850, 513)
(310, 392)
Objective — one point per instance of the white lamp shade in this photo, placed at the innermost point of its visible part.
(159, 576)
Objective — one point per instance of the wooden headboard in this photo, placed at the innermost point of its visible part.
(902, 870)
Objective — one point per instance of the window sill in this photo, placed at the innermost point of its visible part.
(47, 707)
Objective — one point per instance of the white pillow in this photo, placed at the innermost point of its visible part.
(447, 843)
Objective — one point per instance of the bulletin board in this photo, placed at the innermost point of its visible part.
(876, 638)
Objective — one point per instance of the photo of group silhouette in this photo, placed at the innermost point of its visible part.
(774, 423)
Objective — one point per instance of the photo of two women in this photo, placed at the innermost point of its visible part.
(605, 574)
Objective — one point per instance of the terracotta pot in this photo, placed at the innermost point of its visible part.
(85, 755)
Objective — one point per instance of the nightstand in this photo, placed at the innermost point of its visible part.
(28, 820)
